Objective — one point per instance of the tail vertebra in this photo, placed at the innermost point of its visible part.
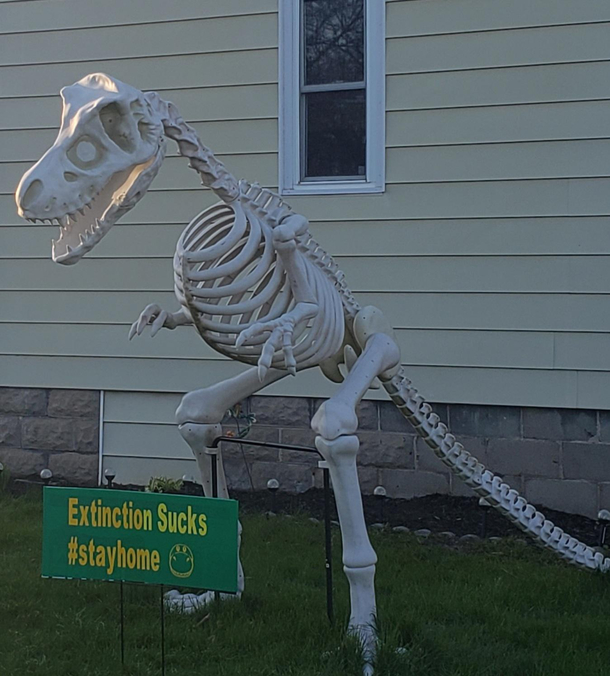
(499, 494)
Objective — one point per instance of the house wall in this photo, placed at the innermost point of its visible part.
(488, 251)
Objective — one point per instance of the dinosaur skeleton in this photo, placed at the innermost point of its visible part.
(259, 289)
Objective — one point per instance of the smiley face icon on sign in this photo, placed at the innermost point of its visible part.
(181, 561)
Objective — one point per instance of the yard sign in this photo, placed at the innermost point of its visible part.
(155, 538)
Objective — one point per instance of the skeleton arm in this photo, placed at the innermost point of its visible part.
(158, 318)
(287, 228)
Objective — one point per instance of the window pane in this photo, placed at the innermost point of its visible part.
(334, 41)
(335, 134)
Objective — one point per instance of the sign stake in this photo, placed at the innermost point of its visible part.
(162, 632)
(122, 604)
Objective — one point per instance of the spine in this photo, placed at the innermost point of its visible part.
(213, 172)
(267, 204)
(499, 494)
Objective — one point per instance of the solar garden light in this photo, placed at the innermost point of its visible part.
(46, 475)
(380, 494)
(110, 476)
(485, 506)
(273, 486)
(603, 519)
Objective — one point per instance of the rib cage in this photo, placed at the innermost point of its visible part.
(228, 276)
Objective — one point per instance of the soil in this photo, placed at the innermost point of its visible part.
(436, 513)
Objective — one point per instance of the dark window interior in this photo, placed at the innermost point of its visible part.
(333, 90)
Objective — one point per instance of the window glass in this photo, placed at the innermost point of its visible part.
(334, 41)
(335, 134)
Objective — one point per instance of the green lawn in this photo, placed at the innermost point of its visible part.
(505, 610)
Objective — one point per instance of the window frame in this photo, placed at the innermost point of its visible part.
(291, 109)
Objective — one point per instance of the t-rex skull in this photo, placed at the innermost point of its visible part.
(108, 150)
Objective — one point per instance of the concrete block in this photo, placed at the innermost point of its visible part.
(586, 461)
(236, 474)
(86, 435)
(10, 431)
(75, 468)
(298, 437)
(604, 495)
(575, 497)
(392, 420)
(524, 456)
(281, 411)
(559, 424)
(406, 483)
(253, 453)
(22, 464)
(485, 421)
(47, 434)
(22, 401)
(604, 425)
(293, 478)
(368, 415)
(74, 404)
(386, 449)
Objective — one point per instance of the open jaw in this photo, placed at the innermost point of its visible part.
(81, 230)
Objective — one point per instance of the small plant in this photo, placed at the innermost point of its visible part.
(240, 418)
(164, 484)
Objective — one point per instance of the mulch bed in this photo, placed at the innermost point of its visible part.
(437, 513)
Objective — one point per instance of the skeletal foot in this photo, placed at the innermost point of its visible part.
(367, 636)
(189, 603)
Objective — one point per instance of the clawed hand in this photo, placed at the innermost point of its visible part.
(155, 315)
(282, 332)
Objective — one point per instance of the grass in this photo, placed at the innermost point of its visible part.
(503, 609)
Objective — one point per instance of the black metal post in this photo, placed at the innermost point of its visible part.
(328, 544)
(122, 604)
(603, 527)
(214, 461)
(162, 633)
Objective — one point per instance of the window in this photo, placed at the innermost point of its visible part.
(332, 96)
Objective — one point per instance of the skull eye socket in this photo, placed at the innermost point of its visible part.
(117, 126)
(84, 153)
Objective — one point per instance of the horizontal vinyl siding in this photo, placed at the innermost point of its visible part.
(489, 250)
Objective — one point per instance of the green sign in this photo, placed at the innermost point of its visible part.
(156, 538)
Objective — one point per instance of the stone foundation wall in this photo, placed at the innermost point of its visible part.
(557, 458)
(55, 429)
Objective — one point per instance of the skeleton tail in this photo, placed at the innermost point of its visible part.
(499, 494)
